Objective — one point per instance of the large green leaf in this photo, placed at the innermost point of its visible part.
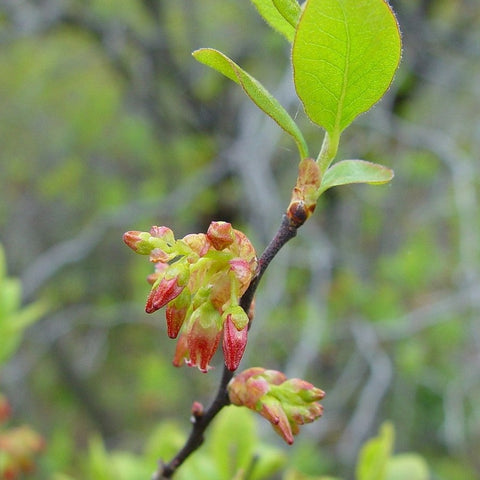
(255, 90)
(355, 171)
(344, 56)
(275, 18)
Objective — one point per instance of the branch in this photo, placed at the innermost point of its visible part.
(286, 231)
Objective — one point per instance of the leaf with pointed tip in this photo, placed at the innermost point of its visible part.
(290, 10)
(355, 171)
(255, 90)
(271, 14)
(344, 56)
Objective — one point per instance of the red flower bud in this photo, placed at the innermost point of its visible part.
(203, 336)
(164, 292)
(176, 312)
(234, 343)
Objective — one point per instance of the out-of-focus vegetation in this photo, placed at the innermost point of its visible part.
(107, 125)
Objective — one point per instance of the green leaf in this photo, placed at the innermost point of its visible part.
(232, 452)
(164, 442)
(407, 465)
(375, 454)
(269, 461)
(355, 171)
(273, 16)
(290, 10)
(344, 57)
(255, 90)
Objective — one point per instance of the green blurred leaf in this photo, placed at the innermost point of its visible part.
(232, 452)
(164, 442)
(126, 466)
(10, 297)
(407, 465)
(13, 320)
(275, 17)
(344, 57)
(255, 90)
(268, 461)
(13, 326)
(375, 454)
(98, 465)
(355, 171)
(295, 475)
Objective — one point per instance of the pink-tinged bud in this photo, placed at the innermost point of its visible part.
(286, 404)
(203, 335)
(176, 312)
(234, 343)
(243, 248)
(272, 410)
(138, 242)
(197, 409)
(304, 389)
(243, 272)
(164, 292)
(248, 387)
(164, 233)
(220, 235)
(198, 243)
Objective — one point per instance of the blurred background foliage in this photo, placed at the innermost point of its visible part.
(108, 124)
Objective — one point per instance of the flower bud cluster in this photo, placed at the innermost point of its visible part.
(285, 403)
(200, 279)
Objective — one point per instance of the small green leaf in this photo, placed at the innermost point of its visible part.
(290, 10)
(355, 171)
(273, 16)
(255, 90)
(344, 56)
(375, 454)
